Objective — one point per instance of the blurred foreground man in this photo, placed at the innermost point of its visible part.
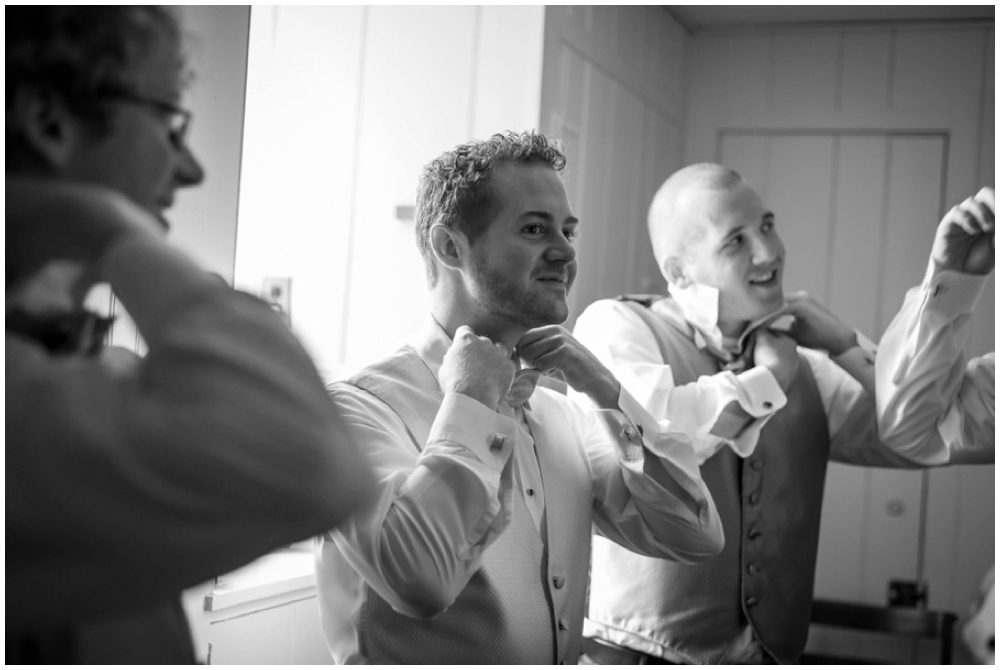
(767, 414)
(936, 405)
(126, 484)
(478, 548)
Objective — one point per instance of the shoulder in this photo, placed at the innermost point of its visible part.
(611, 313)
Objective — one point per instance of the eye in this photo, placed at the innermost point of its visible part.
(734, 241)
(571, 233)
(768, 225)
(534, 229)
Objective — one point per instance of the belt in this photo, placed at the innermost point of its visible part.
(605, 653)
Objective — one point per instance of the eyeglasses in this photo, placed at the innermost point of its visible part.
(178, 119)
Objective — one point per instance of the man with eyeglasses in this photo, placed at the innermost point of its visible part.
(126, 485)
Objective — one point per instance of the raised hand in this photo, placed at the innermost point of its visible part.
(50, 220)
(477, 367)
(553, 348)
(965, 239)
(778, 354)
(816, 327)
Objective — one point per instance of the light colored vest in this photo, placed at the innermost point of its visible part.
(770, 507)
(525, 604)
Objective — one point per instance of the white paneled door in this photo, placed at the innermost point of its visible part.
(857, 213)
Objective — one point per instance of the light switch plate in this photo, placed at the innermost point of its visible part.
(277, 292)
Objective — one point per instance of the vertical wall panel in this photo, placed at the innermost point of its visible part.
(914, 209)
(913, 197)
(804, 71)
(864, 79)
(843, 541)
(748, 155)
(938, 68)
(859, 211)
(800, 200)
(605, 93)
(296, 200)
(730, 73)
(499, 69)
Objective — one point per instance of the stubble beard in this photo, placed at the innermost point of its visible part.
(498, 296)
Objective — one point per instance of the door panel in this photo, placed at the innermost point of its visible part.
(856, 213)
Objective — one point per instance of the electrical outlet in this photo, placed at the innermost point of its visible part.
(277, 292)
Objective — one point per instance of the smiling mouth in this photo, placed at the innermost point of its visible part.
(766, 278)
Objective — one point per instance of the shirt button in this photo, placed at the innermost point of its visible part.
(563, 625)
(757, 464)
(558, 581)
(752, 569)
(497, 442)
(754, 533)
(768, 404)
(754, 498)
(530, 492)
(751, 602)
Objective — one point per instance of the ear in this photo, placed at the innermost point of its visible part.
(45, 123)
(674, 272)
(449, 246)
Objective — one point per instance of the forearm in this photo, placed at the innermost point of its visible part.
(651, 497)
(921, 369)
(436, 513)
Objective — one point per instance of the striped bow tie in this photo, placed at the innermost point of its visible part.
(522, 387)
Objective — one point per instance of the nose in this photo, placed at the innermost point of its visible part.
(766, 249)
(561, 249)
(189, 171)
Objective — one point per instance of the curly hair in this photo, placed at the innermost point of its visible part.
(82, 52)
(455, 188)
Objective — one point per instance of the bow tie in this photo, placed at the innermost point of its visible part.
(80, 332)
(522, 387)
(742, 358)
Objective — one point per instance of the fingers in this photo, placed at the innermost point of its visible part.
(465, 334)
(987, 197)
(974, 217)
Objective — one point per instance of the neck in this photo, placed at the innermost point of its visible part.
(451, 314)
(58, 288)
(732, 329)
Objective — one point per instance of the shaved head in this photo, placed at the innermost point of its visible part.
(683, 204)
(710, 228)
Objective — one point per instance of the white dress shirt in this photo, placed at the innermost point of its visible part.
(935, 405)
(439, 509)
(621, 340)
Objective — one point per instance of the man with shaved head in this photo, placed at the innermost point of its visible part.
(769, 404)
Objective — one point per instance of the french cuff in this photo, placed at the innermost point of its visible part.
(759, 393)
(462, 420)
(952, 293)
(628, 425)
(859, 361)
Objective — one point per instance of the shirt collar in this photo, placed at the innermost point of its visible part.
(700, 305)
(432, 342)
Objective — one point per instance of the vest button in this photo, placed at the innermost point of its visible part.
(559, 581)
(754, 533)
(754, 498)
(757, 464)
(751, 602)
(752, 569)
(563, 626)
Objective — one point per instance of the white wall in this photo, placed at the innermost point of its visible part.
(345, 106)
(614, 93)
(204, 218)
(892, 126)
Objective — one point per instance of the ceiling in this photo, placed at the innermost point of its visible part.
(707, 18)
